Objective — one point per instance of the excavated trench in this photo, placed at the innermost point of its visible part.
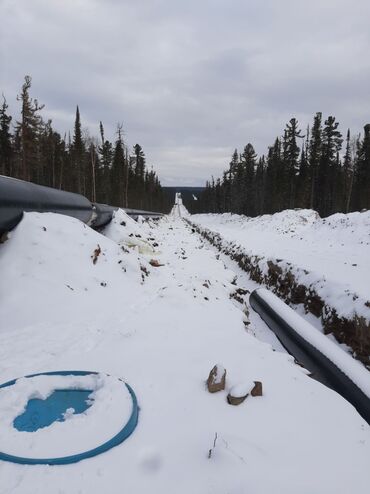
(354, 332)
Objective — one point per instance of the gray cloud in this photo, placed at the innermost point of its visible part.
(190, 80)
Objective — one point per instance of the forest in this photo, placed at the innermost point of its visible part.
(320, 169)
(103, 171)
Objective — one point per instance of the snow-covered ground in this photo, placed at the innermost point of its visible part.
(335, 250)
(179, 209)
(155, 305)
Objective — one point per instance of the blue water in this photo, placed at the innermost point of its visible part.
(42, 413)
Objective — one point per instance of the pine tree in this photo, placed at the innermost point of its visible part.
(78, 155)
(105, 151)
(139, 175)
(6, 150)
(248, 159)
(260, 186)
(314, 158)
(274, 177)
(328, 168)
(348, 174)
(290, 159)
(28, 130)
(303, 182)
(118, 171)
(363, 172)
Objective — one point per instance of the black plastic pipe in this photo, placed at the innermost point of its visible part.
(17, 196)
(312, 358)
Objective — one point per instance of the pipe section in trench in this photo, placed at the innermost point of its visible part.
(326, 362)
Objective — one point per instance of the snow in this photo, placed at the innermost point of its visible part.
(162, 329)
(242, 389)
(179, 209)
(349, 366)
(330, 254)
(111, 408)
(220, 371)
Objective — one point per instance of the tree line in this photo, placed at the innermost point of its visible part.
(104, 171)
(319, 170)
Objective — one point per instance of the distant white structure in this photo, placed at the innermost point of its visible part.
(179, 209)
(178, 199)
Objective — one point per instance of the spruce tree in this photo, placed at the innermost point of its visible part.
(274, 179)
(290, 158)
(363, 172)
(248, 159)
(105, 151)
(28, 130)
(314, 158)
(78, 155)
(328, 168)
(348, 173)
(118, 171)
(6, 150)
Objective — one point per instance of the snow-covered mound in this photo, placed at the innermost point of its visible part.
(337, 247)
(52, 262)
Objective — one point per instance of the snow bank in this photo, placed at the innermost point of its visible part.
(321, 263)
(337, 247)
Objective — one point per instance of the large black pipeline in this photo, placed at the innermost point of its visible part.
(312, 358)
(17, 196)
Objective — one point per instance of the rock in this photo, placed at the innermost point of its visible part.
(235, 400)
(239, 393)
(216, 379)
(257, 390)
(155, 263)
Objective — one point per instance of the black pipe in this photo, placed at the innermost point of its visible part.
(314, 359)
(103, 214)
(145, 214)
(17, 196)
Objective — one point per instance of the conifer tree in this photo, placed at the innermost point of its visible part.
(290, 158)
(363, 172)
(348, 173)
(6, 150)
(303, 182)
(248, 160)
(28, 130)
(314, 158)
(78, 154)
(118, 171)
(105, 151)
(328, 168)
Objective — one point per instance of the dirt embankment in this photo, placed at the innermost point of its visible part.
(285, 280)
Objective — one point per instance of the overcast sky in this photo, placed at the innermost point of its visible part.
(190, 79)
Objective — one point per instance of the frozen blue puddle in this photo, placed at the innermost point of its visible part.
(42, 413)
